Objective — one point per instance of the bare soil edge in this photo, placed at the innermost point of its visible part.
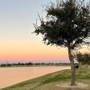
(68, 85)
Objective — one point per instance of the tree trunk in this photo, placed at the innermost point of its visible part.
(72, 66)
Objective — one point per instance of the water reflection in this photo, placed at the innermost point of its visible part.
(10, 76)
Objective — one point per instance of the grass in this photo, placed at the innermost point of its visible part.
(49, 81)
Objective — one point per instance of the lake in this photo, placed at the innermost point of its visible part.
(13, 75)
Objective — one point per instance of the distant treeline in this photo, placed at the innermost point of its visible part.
(31, 64)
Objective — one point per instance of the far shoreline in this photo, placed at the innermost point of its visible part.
(33, 66)
(29, 64)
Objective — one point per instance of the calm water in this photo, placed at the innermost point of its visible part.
(10, 76)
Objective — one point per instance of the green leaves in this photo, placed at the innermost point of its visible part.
(83, 58)
(66, 22)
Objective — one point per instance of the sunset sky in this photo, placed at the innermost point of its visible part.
(17, 44)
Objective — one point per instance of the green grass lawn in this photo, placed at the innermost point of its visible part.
(50, 81)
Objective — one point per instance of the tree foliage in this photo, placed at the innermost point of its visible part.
(66, 22)
(83, 58)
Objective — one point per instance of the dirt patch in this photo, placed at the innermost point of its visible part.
(78, 85)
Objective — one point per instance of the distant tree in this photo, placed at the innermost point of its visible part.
(29, 63)
(83, 58)
(9, 65)
(66, 25)
(78, 57)
(37, 64)
(42, 63)
(3, 65)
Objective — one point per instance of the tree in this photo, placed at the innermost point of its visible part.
(83, 58)
(78, 57)
(66, 25)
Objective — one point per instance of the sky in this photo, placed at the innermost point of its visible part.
(17, 43)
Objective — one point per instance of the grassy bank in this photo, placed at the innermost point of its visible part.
(50, 81)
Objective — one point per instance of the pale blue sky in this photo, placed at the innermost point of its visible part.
(17, 17)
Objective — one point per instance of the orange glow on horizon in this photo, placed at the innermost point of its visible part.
(27, 51)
